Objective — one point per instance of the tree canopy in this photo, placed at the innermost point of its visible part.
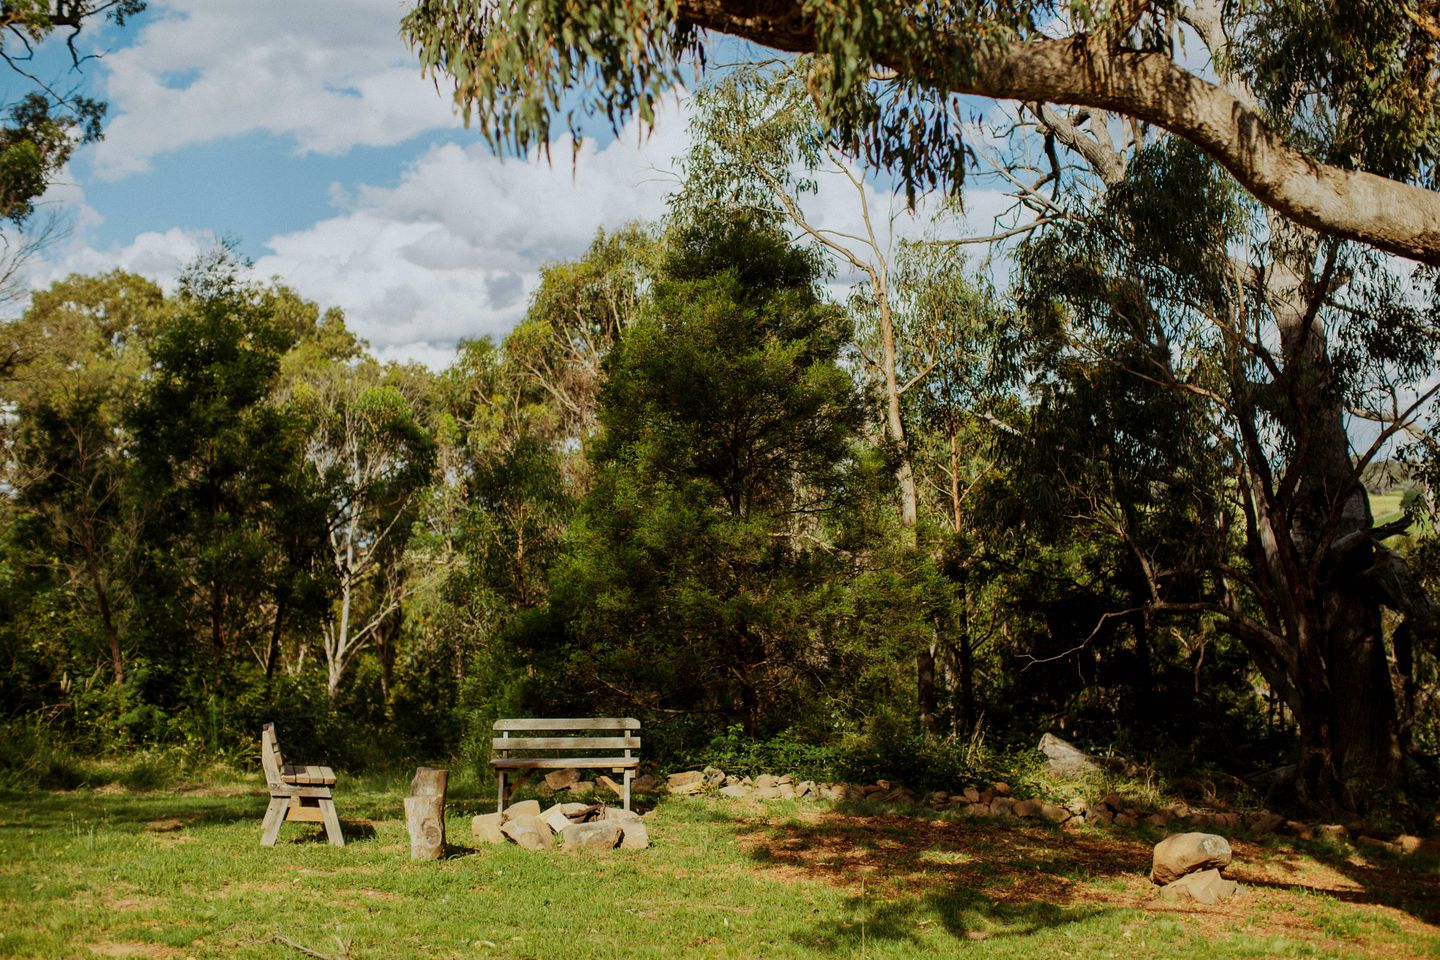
(886, 76)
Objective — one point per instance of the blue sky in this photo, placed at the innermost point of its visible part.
(305, 132)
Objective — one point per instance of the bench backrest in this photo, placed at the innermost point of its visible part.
(270, 757)
(567, 736)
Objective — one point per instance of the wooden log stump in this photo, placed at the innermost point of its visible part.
(425, 813)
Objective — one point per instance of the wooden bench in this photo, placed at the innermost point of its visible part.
(297, 792)
(565, 744)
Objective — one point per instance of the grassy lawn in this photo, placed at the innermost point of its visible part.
(180, 873)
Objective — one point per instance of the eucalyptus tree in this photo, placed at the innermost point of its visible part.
(886, 77)
(1268, 351)
(44, 124)
(373, 458)
(80, 353)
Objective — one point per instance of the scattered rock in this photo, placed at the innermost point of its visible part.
(1054, 812)
(1157, 820)
(767, 780)
(691, 781)
(806, 788)
(645, 783)
(1026, 808)
(1064, 759)
(598, 835)
(1408, 844)
(766, 793)
(530, 832)
(561, 779)
(583, 789)
(619, 814)
(1205, 886)
(714, 776)
(1300, 830)
(1333, 831)
(736, 791)
(1183, 853)
(1125, 820)
(972, 795)
(1266, 823)
(524, 808)
(486, 827)
(634, 835)
(1001, 788)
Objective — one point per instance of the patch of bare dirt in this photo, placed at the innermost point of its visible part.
(133, 949)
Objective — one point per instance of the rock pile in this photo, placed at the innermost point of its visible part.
(1189, 866)
(576, 825)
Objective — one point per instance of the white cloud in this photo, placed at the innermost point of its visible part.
(455, 248)
(330, 74)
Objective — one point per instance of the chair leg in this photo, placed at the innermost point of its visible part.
(274, 817)
(332, 822)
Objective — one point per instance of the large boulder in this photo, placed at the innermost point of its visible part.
(1183, 853)
(1064, 759)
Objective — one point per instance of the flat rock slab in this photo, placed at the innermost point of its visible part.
(1183, 853)
(1206, 886)
(597, 835)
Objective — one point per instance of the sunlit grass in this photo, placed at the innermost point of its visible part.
(180, 873)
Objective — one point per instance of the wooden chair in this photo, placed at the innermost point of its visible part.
(297, 792)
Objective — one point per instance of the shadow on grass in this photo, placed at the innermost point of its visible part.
(906, 877)
(1410, 884)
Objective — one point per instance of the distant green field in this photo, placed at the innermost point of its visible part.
(177, 874)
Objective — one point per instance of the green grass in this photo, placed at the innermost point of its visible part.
(180, 873)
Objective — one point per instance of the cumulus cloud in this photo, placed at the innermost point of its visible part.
(329, 74)
(455, 248)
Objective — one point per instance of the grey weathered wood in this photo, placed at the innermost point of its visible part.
(582, 723)
(425, 813)
(298, 792)
(560, 763)
(566, 743)
(564, 747)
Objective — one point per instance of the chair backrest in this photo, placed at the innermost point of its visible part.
(270, 757)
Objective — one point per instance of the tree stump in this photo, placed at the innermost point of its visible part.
(425, 813)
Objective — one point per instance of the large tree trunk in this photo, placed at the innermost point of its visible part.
(1342, 697)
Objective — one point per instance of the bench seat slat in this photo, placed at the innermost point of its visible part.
(565, 743)
(561, 763)
(583, 723)
(307, 775)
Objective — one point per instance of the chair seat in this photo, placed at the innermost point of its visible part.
(307, 776)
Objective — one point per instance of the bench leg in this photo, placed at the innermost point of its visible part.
(628, 775)
(500, 797)
(274, 817)
(332, 822)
